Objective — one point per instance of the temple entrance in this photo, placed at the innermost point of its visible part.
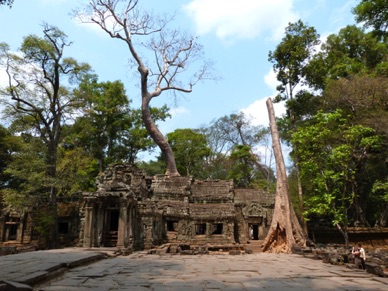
(111, 227)
(11, 229)
(253, 231)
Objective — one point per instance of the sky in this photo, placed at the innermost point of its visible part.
(236, 35)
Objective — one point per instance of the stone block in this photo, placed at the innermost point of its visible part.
(235, 252)
(15, 286)
(375, 269)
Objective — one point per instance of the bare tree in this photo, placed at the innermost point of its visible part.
(285, 230)
(172, 52)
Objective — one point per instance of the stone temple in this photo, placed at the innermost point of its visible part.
(131, 211)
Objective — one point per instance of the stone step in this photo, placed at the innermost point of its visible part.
(254, 246)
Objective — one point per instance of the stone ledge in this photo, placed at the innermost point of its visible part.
(375, 269)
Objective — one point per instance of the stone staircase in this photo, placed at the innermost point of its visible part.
(254, 246)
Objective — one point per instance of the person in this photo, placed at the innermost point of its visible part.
(359, 256)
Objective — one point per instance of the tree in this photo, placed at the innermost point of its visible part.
(105, 115)
(8, 145)
(362, 99)
(332, 154)
(190, 150)
(373, 13)
(291, 58)
(350, 52)
(285, 230)
(230, 131)
(109, 129)
(242, 167)
(37, 97)
(173, 54)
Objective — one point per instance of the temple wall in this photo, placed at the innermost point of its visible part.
(129, 210)
(175, 210)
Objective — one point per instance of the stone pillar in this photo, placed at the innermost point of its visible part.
(122, 238)
(88, 227)
(129, 240)
(20, 231)
(100, 225)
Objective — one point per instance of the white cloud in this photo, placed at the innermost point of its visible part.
(271, 81)
(179, 117)
(178, 111)
(245, 19)
(258, 111)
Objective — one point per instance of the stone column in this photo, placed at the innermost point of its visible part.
(129, 240)
(122, 238)
(100, 225)
(20, 232)
(88, 226)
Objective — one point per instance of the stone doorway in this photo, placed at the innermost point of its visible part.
(111, 227)
(11, 229)
(253, 231)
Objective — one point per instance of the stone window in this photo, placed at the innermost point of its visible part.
(200, 228)
(172, 225)
(217, 228)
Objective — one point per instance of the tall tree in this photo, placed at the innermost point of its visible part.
(291, 58)
(39, 94)
(285, 230)
(173, 54)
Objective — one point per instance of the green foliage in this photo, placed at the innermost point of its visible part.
(8, 145)
(44, 219)
(190, 149)
(76, 172)
(224, 135)
(109, 129)
(152, 168)
(381, 188)
(242, 169)
(26, 171)
(291, 57)
(350, 52)
(330, 151)
(373, 14)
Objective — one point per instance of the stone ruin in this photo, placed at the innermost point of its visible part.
(134, 212)
(131, 211)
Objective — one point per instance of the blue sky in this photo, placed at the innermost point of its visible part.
(237, 37)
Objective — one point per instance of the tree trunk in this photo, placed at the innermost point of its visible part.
(156, 135)
(51, 164)
(285, 230)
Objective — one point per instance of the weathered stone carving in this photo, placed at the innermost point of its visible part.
(170, 210)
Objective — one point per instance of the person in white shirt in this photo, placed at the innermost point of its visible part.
(359, 256)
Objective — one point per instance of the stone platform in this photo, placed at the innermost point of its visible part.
(80, 269)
